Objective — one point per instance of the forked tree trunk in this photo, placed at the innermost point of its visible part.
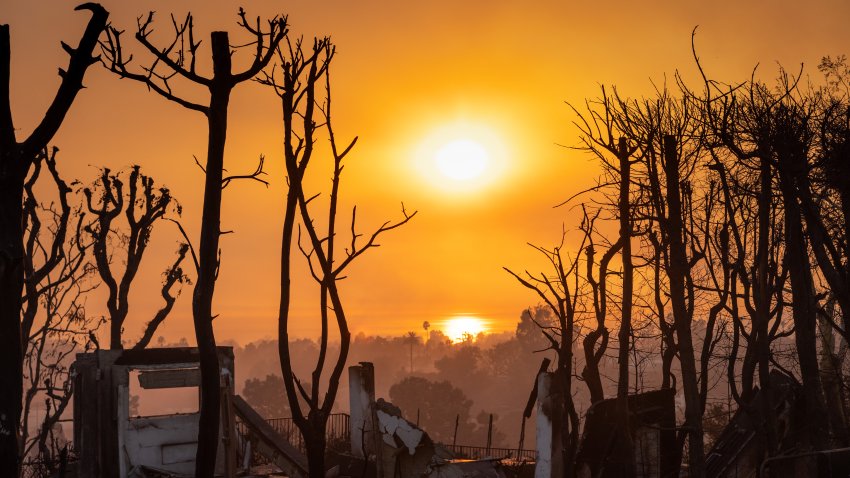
(590, 374)
(681, 321)
(315, 444)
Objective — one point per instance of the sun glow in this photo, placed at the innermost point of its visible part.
(461, 157)
(462, 327)
(462, 160)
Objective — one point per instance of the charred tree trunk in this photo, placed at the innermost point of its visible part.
(202, 297)
(305, 115)
(315, 444)
(565, 368)
(802, 299)
(15, 161)
(595, 343)
(762, 296)
(220, 85)
(625, 333)
(682, 323)
(592, 356)
(294, 179)
(11, 285)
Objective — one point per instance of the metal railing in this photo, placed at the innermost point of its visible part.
(337, 430)
(338, 436)
(481, 452)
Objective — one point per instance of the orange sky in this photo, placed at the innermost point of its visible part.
(403, 71)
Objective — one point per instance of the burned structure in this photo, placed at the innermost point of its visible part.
(113, 439)
(652, 429)
(112, 442)
(740, 450)
(397, 447)
(603, 448)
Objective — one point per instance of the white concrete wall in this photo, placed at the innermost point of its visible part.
(168, 443)
(361, 401)
(544, 435)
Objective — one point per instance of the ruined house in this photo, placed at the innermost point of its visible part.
(113, 439)
(653, 435)
(739, 450)
(397, 447)
(112, 442)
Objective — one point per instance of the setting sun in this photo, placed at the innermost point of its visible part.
(462, 160)
(458, 328)
(461, 157)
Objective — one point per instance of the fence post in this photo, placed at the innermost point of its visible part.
(489, 434)
(457, 422)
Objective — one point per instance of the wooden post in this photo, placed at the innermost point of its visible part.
(490, 434)
(521, 438)
(457, 422)
(228, 422)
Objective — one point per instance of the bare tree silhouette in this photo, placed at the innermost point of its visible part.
(143, 206)
(55, 326)
(16, 158)
(561, 290)
(791, 142)
(598, 132)
(306, 114)
(178, 60)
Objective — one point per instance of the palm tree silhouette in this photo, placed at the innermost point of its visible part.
(411, 338)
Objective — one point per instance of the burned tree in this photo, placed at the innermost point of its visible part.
(57, 275)
(178, 60)
(774, 136)
(16, 158)
(598, 130)
(561, 290)
(670, 137)
(143, 205)
(791, 140)
(303, 74)
(680, 279)
(660, 196)
(824, 192)
(750, 246)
